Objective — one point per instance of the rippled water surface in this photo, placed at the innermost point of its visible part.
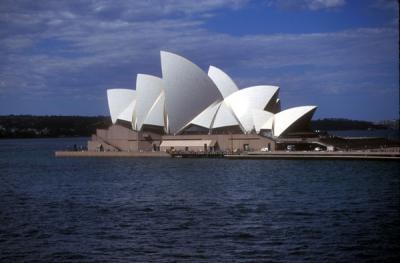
(193, 210)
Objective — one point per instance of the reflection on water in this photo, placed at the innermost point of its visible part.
(188, 210)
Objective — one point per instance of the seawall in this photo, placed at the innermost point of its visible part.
(251, 155)
(355, 155)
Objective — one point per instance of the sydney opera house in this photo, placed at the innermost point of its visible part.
(189, 109)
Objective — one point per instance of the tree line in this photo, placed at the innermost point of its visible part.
(29, 126)
(334, 124)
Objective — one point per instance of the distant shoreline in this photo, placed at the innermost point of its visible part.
(31, 127)
(30, 138)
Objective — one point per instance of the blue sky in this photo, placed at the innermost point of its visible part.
(60, 57)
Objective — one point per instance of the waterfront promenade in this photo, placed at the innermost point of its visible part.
(336, 155)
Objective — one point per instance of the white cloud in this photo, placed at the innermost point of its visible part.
(72, 46)
(307, 4)
(385, 4)
(322, 4)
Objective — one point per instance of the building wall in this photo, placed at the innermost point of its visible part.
(148, 141)
(227, 142)
(184, 148)
(115, 138)
(124, 145)
(95, 145)
(119, 138)
(118, 132)
(147, 146)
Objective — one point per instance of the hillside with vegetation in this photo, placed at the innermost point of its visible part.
(334, 124)
(28, 126)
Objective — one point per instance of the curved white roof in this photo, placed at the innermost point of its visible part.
(148, 90)
(285, 119)
(188, 90)
(278, 105)
(224, 117)
(128, 113)
(155, 116)
(261, 118)
(205, 118)
(187, 95)
(121, 104)
(269, 125)
(243, 101)
(222, 80)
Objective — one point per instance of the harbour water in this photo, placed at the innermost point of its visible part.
(193, 210)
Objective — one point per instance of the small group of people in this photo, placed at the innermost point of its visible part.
(77, 148)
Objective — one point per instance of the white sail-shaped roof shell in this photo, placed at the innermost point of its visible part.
(148, 90)
(225, 117)
(128, 113)
(121, 104)
(222, 80)
(156, 116)
(205, 118)
(261, 118)
(269, 125)
(188, 90)
(284, 119)
(186, 95)
(243, 101)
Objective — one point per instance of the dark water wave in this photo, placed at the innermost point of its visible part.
(168, 210)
